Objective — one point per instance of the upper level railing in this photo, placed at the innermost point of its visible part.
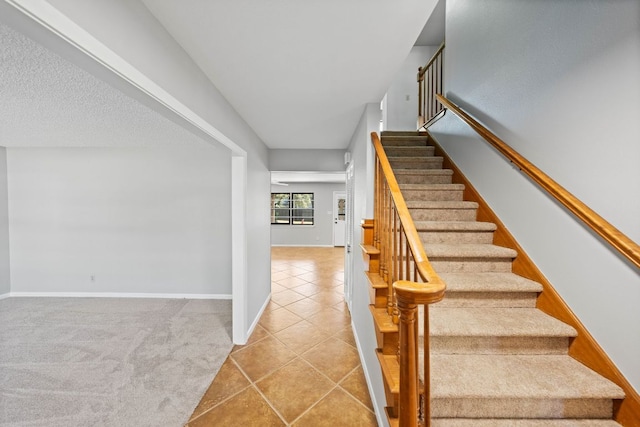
(623, 244)
(411, 280)
(430, 81)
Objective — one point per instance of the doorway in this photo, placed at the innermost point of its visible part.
(339, 218)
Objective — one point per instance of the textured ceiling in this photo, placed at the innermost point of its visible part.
(299, 72)
(49, 102)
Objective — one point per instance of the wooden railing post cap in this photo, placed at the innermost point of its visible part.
(419, 293)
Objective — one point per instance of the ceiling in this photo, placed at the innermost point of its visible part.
(299, 73)
(433, 32)
(49, 102)
(289, 177)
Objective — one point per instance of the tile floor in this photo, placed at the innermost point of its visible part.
(300, 366)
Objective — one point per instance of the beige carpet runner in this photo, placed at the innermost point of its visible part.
(496, 360)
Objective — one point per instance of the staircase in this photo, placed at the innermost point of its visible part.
(496, 360)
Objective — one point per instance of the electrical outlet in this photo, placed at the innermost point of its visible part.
(93, 278)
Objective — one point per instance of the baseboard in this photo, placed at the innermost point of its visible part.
(256, 320)
(380, 417)
(118, 295)
(3, 296)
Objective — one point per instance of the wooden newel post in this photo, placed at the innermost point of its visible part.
(408, 335)
(408, 296)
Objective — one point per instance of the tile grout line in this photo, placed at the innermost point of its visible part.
(329, 285)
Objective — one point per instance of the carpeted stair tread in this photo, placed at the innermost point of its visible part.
(399, 172)
(454, 226)
(517, 377)
(449, 192)
(477, 422)
(423, 176)
(431, 187)
(410, 162)
(496, 360)
(402, 138)
(488, 282)
(495, 322)
(403, 133)
(437, 250)
(409, 151)
(440, 204)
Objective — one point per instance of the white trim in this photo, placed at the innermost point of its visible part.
(51, 18)
(257, 319)
(3, 296)
(365, 369)
(239, 257)
(334, 210)
(55, 21)
(117, 295)
(302, 246)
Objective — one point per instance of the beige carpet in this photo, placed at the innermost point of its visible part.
(496, 360)
(106, 361)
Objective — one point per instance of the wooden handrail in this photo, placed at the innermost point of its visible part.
(433, 58)
(623, 244)
(403, 265)
(425, 270)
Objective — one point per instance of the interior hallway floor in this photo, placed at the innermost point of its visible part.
(300, 366)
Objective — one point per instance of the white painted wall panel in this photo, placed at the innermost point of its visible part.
(5, 277)
(559, 82)
(401, 102)
(360, 147)
(135, 220)
(306, 160)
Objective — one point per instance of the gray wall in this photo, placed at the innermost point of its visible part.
(319, 234)
(362, 155)
(143, 42)
(306, 160)
(401, 102)
(559, 82)
(5, 282)
(120, 220)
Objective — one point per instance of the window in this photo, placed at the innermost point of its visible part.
(280, 208)
(292, 208)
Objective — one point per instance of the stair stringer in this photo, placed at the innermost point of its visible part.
(584, 347)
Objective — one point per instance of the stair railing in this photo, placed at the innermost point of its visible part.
(411, 280)
(623, 244)
(430, 81)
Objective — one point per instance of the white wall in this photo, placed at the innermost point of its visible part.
(401, 101)
(306, 160)
(559, 82)
(141, 41)
(318, 234)
(362, 155)
(5, 282)
(121, 220)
